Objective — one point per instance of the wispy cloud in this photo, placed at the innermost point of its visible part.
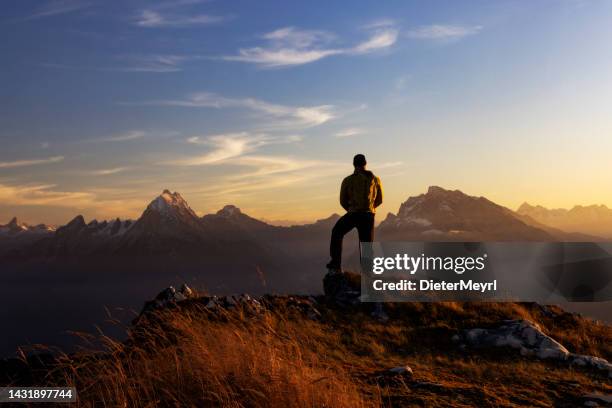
(259, 172)
(49, 195)
(223, 147)
(289, 116)
(264, 173)
(122, 137)
(349, 132)
(271, 165)
(443, 32)
(156, 63)
(290, 46)
(58, 7)
(171, 4)
(387, 165)
(108, 172)
(41, 194)
(157, 18)
(153, 63)
(32, 162)
(229, 146)
(381, 39)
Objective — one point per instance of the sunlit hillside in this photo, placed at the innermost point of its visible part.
(310, 352)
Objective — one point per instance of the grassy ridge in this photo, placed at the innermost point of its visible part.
(189, 356)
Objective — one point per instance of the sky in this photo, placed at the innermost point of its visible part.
(263, 104)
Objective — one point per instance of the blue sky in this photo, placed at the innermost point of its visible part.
(263, 104)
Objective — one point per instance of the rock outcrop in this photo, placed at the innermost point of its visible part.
(170, 298)
(530, 340)
(167, 298)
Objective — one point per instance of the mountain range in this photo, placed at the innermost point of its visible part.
(169, 237)
(443, 215)
(16, 228)
(82, 269)
(591, 219)
(169, 226)
(17, 234)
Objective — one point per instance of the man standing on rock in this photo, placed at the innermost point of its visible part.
(360, 194)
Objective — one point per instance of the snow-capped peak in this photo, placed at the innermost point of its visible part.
(167, 200)
(14, 225)
(169, 204)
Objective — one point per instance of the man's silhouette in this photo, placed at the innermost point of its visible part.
(360, 194)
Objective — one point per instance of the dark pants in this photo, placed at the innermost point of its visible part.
(363, 221)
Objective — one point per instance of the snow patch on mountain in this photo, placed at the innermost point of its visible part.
(457, 216)
(15, 227)
(167, 203)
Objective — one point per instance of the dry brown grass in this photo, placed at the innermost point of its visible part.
(191, 357)
(189, 361)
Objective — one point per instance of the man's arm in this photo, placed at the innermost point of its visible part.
(379, 193)
(344, 195)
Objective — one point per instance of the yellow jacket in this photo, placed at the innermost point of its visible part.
(361, 192)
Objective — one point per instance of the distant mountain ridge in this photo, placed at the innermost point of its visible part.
(169, 225)
(592, 219)
(15, 227)
(17, 234)
(232, 252)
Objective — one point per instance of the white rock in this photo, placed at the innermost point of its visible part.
(530, 340)
(400, 370)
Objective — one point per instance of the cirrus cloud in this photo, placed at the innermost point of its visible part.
(108, 172)
(152, 18)
(58, 7)
(224, 147)
(349, 132)
(49, 195)
(229, 146)
(30, 162)
(285, 116)
(290, 46)
(443, 32)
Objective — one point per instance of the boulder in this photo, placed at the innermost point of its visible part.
(400, 370)
(523, 335)
(598, 363)
(245, 301)
(168, 297)
(393, 375)
(527, 337)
